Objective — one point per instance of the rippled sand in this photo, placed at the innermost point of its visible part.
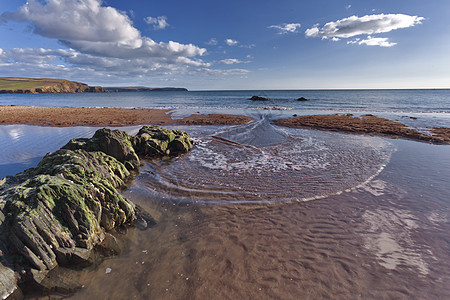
(232, 221)
(386, 238)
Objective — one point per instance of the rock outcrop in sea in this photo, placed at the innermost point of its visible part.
(259, 98)
(59, 211)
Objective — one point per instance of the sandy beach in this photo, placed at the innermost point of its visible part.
(87, 116)
(366, 124)
(84, 116)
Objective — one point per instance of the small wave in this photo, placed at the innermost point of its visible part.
(275, 108)
(301, 166)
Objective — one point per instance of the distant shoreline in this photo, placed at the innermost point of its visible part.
(119, 89)
(24, 85)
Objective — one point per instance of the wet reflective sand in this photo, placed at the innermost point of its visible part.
(382, 233)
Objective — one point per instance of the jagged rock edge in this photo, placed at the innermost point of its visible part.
(56, 213)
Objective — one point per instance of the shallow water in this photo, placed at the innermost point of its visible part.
(385, 237)
(274, 214)
(429, 108)
(260, 163)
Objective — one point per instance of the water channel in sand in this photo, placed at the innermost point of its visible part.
(233, 223)
(233, 220)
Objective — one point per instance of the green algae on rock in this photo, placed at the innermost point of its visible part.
(156, 141)
(56, 213)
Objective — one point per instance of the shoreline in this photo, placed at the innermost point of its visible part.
(99, 117)
(366, 124)
(121, 117)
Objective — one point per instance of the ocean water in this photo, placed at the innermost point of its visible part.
(431, 107)
(283, 213)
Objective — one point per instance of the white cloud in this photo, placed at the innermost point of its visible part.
(212, 42)
(231, 42)
(102, 46)
(369, 24)
(348, 7)
(88, 27)
(286, 28)
(230, 61)
(83, 20)
(159, 22)
(371, 41)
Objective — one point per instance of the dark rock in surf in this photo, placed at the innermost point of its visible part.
(259, 98)
(302, 99)
(59, 211)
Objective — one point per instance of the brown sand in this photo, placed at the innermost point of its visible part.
(81, 116)
(367, 124)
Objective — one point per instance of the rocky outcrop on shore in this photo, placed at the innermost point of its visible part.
(43, 85)
(367, 124)
(58, 212)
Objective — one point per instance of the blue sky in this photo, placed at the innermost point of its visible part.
(229, 44)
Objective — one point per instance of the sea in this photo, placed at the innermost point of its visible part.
(287, 214)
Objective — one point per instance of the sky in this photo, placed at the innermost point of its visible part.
(222, 45)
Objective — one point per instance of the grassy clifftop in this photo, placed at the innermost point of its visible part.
(22, 85)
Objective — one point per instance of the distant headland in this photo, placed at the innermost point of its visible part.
(23, 85)
(142, 89)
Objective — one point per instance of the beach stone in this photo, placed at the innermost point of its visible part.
(8, 282)
(59, 211)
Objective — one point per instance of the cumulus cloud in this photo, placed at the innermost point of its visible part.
(371, 41)
(158, 22)
(84, 20)
(102, 45)
(286, 28)
(70, 56)
(231, 42)
(369, 24)
(89, 27)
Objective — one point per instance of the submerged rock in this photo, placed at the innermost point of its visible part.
(56, 213)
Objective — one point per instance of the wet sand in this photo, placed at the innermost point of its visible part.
(381, 241)
(84, 116)
(117, 117)
(366, 124)
(386, 239)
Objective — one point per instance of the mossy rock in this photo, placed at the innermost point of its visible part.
(115, 143)
(57, 212)
(157, 141)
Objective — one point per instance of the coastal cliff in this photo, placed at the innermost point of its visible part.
(20, 85)
(60, 211)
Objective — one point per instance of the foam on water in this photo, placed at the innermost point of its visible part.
(260, 163)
